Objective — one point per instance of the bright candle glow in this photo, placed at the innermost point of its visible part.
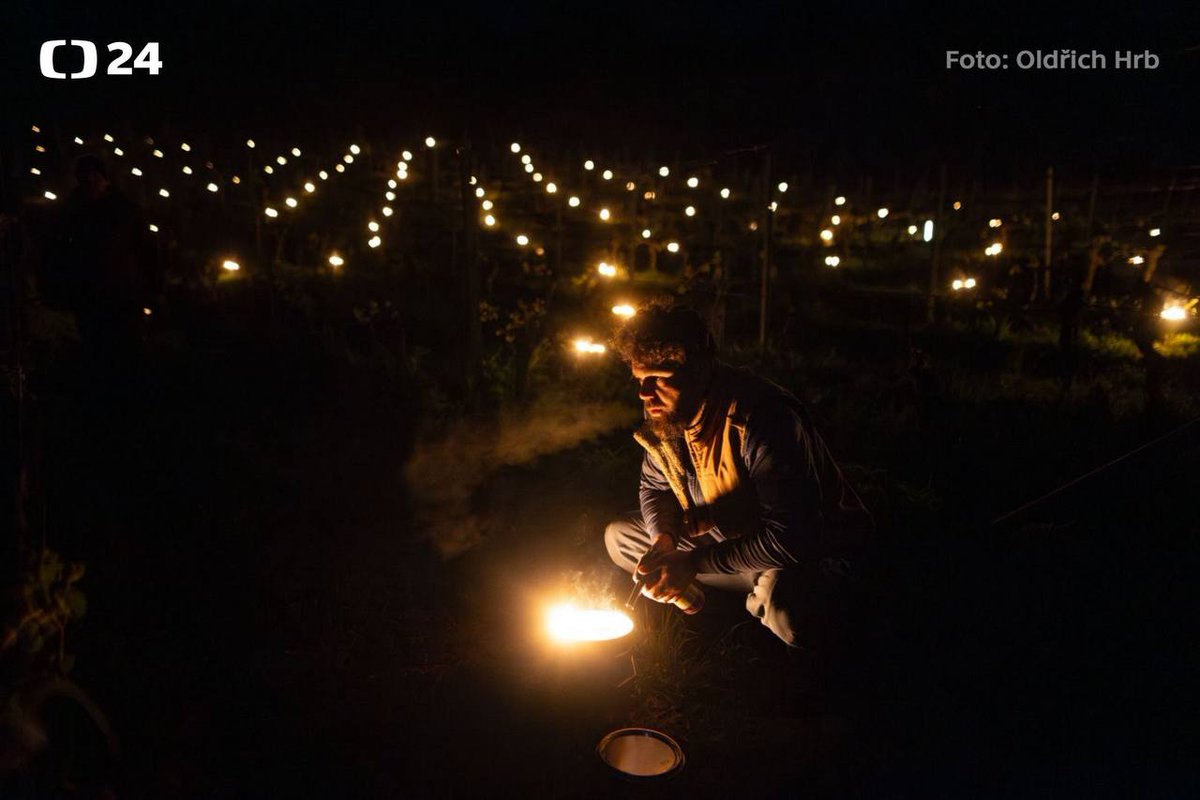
(957, 205)
(270, 212)
(522, 239)
(693, 182)
(387, 211)
(236, 179)
(573, 201)
(691, 211)
(1173, 313)
(927, 234)
(515, 147)
(486, 205)
(832, 261)
(373, 226)
(229, 265)
(912, 230)
(672, 247)
(118, 151)
(280, 160)
(153, 228)
(374, 242)
(406, 155)
(187, 170)
(664, 171)
(135, 171)
(310, 187)
(35, 171)
(827, 236)
(584, 345)
(323, 175)
(607, 270)
(296, 152)
(624, 310)
(290, 202)
(157, 154)
(589, 164)
(527, 159)
(212, 187)
(250, 143)
(566, 623)
(993, 249)
(336, 261)
(604, 214)
(78, 140)
(340, 167)
(995, 223)
(725, 193)
(50, 195)
(269, 169)
(349, 159)
(429, 142)
(645, 233)
(489, 220)
(783, 187)
(480, 192)
(551, 188)
(969, 283)
(537, 177)
(835, 219)
(1156, 231)
(1055, 216)
(883, 212)
(163, 193)
(185, 147)
(1136, 260)
(630, 186)
(839, 200)
(529, 168)
(956, 285)
(607, 175)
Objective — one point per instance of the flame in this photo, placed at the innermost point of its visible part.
(567, 623)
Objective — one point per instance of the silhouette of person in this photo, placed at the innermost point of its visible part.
(100, 266)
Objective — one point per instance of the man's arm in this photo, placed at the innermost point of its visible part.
(781, 457)
(660, 509)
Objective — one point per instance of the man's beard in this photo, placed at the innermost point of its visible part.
(666, 425)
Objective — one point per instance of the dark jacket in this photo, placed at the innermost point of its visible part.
(754, 468)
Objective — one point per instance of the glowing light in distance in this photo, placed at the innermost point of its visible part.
(573, 201)
(630, 186)
(389, 196)
(290, 202)
(157, 154)
(229, 265)
(36, 129)
(269, 169)
(349, 159)
(515, 147)
(606, 269)
(185, 147)
(486, 205)
(407, 155)
(583, 345)
(835, 219)
(839, 200)
(565, 623)
(78, 140)
(551, 188)
(387, 211)
(50, 195)
(672, 247)
(163, 193)
(649, 196)
(340, 168)
(604, 214)
(1136, 260)
(589, 165)
(537, 177)
(355, 149)
(153, 228)
(135, 171)
(725, 193)
(1156, 231)
(624, 310)
(783, 187)
(827, 236)
(35, 171)
(993, 249)
(832, 261)
(430, 142)
(118, 151)
(1173, 313)
(527, 159)
(691, 211)
(995, 223)
(753, 225)
(296, 151)
(280, 160)
(607, 174)
(186, 170)
(480, 192)
(323, 175)
(522, 239)
(250, 143)
(912, 230)
(489, 220)
(310, 187)
(270, 212)
(373, 226)
(108, 137)
(969, 283)
(1055, 216)
(927, 233)
(374, 242)
(774, 206)
(957, 205)
(212, 187)
(646, 233)
(882, 213)
(664, 171)
(336, 261)
(473, 180)
(529, 168)
(693, 182)
(236, 179)
(39, 149)
(957, 284)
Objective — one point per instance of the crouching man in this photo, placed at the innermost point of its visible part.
(738, 491)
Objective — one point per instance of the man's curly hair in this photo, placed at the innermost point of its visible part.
(663, 332)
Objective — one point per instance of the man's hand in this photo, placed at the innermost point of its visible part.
(674, 569)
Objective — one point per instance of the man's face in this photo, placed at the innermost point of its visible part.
(670, 394)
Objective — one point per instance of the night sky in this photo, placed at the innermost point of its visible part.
(860, 88)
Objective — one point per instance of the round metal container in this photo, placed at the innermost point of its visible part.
(641, 754)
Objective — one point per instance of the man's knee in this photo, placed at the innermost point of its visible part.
(625, 541)
(803, 606)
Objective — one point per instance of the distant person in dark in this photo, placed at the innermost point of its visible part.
(738, 491)
(100, 265)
